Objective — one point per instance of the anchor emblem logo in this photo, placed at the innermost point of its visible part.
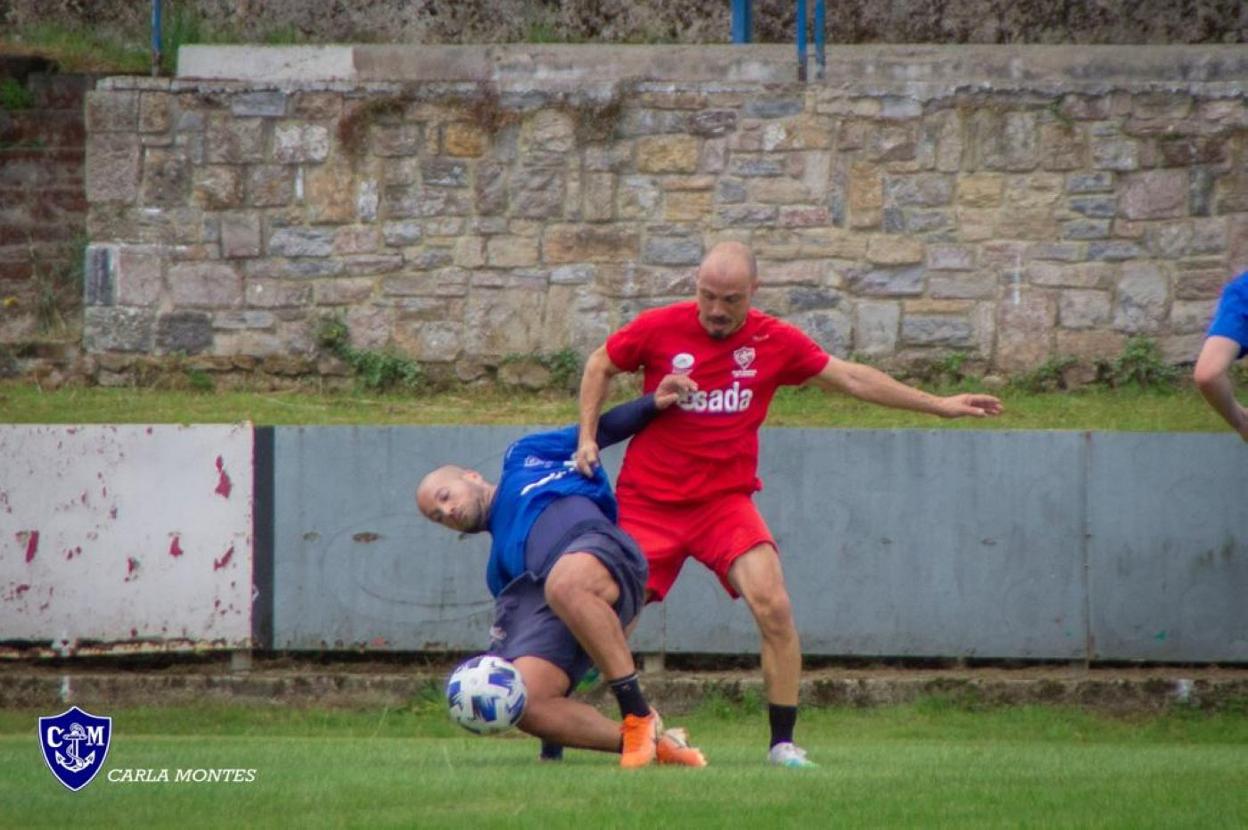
(75, 744)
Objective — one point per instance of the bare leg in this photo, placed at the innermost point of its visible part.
(581, 591)
(552, 717)
(1214, 382)
(757, 576)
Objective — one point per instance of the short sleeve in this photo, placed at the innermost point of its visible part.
(627, 347)
(803, 357)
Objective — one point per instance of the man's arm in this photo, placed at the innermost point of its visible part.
(595, 383)
(1214, 382)
(872, 385)
(627, 419)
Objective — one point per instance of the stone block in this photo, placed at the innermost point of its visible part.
(205, 285)
(490, 189)
(672, 250)
(268, 103)
(981, 190)
(598, 197)
(1083, 309)
(110, 111)
(156, 112)
(832, 329)
(937, 330)
(712, 123)
(1191, 317)
(950, 257)
(357, 239)
(667, 154)
(401, 234)
(187, 332)
(240, 234)
(139, 275)
(301, 242)
(962, 285)
(117, 329)
(1115, 154)
(1140, 306)
(166, 177)
(1090, 345)
(1062, 147)
(442, 172)
(464, 139)
(501, 322)
(895, 250)
(511, 252)
(112, 168)
(1025, 323)
(349, 291)
(548, 132)
(276, 293)
(391, 140)
(270, 185)
(538, 192)
(1101, 182)
(1155, 194)
(299, 143)
(750, 215)
(330, 193)
(888, 282)
(231, 141)
(562, 244)
(218, 187)
(876, 327)
(1204, 284)
(921, 190)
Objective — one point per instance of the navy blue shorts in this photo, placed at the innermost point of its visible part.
(525, 626)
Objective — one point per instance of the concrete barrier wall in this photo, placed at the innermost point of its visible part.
(1046, 545)
(1036, 545)
(126, 535)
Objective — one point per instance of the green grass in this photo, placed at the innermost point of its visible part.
(933, 764)
(1092, 409)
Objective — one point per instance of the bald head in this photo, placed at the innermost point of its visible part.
(726, 282)
(455, 497)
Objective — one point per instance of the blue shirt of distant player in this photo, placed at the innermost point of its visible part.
(537, 470)
(1231, 318)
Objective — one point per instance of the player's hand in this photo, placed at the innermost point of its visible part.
(970, 404)
(586, 458)
(673, 389)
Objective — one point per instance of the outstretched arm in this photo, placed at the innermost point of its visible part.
(595, 383)
(872, 385)
(1214, 382)
(627, 419)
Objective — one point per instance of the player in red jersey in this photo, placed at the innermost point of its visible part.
(687, 481)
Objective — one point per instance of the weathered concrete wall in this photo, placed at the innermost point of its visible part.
(692, 21)
(463, 205)
(126, 535)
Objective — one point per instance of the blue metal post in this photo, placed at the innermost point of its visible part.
(820, 58)
(156, 50)
(801, 40)
(742, 25)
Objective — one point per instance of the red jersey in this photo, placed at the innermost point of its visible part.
(708, 445)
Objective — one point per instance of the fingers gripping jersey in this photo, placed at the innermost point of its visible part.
(710, 446)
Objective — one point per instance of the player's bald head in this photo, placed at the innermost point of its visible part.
(456, 497)
(729, 264)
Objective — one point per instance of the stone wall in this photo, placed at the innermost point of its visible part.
(465, 206)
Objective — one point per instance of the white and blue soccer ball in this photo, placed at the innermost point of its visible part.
(485, 695)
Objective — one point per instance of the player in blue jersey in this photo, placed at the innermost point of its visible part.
(1226, 342)
(567, 582)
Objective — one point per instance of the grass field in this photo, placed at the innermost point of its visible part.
(1179, 410)
(933, 764)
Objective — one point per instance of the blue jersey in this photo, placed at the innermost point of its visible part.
(537, 471)
(1231, 318)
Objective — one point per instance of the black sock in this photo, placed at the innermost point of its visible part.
(551, 751)
(628, 695)
(782, 718)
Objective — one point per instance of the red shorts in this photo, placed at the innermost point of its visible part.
(714, 532)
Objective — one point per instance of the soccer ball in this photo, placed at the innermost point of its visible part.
(485, 695)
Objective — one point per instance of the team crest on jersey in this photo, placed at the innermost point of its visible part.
(75, 744)
(744, 356)
(682, 363)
